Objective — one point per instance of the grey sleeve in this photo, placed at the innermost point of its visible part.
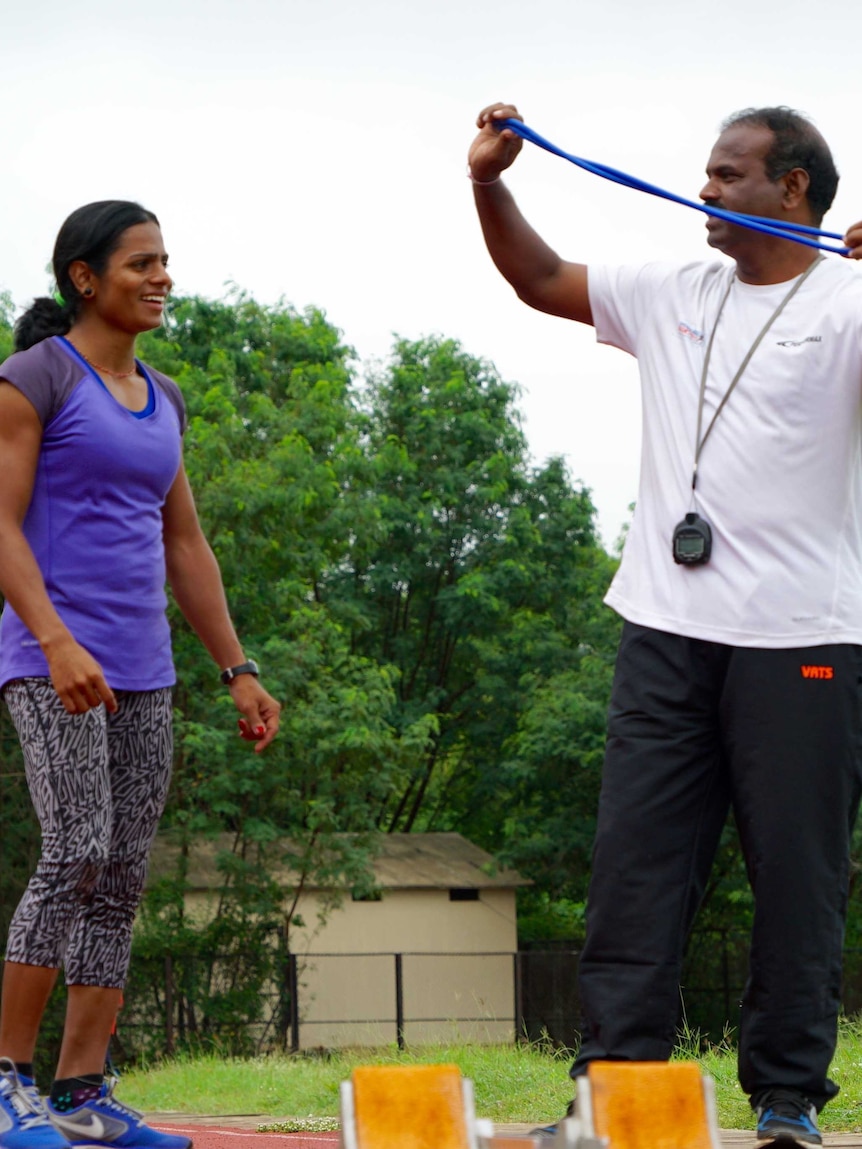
(172, 393)
(33, 373)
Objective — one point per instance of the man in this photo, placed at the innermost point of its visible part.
(739, 670)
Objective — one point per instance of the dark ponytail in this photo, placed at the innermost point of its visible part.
(46, 317)
(91, 234)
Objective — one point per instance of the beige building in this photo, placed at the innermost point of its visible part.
(433, 949)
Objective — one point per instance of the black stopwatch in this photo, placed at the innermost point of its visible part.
(692, 541)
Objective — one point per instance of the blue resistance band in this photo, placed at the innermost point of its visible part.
(795, 231)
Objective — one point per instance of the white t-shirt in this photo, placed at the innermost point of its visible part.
(780, 476)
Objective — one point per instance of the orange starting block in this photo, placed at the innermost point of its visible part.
(647, 1105)
(408, 1107)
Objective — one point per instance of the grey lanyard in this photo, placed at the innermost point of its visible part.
(698, 442)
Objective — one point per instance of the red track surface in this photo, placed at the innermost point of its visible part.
(213, 1137)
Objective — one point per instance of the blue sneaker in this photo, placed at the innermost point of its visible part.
(786, 1116)
(24, 1122)
(106, 1121)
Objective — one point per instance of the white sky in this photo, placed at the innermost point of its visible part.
(315, 150)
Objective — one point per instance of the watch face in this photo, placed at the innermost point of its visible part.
(231, 672)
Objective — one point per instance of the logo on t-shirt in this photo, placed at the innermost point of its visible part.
(691, 333)
(817, 671)
(800, 342)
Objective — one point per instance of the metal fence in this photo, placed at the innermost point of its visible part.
(238, 1004)
(322, 1000)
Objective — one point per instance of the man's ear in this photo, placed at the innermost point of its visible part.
(796, 183)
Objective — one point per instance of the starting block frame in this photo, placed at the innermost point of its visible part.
(619, 1105)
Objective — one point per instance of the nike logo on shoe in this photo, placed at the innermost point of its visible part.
(82, 1128)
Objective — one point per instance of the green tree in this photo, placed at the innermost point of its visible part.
(482, 584)
(533, 794)
(446, 463)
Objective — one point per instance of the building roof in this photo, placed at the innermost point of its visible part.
(403, 862)
(441, 861)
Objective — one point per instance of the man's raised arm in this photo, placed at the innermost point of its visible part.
(536, 272)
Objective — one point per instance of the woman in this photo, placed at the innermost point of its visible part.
(95, 514)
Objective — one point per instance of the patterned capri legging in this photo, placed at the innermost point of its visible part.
(98, 782)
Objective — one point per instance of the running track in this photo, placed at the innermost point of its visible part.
(224, 1137)
(244, 1136)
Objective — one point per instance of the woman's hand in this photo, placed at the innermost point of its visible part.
(259, 710)
(77, 677)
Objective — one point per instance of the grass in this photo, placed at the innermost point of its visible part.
(842, 1115)
(512, 1083)
(526, 1083)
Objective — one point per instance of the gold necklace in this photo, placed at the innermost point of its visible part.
(107, 370)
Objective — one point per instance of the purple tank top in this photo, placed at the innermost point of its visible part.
(95, 517)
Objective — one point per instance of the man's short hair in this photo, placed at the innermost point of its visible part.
(796, 144)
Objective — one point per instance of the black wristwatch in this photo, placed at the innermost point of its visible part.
(231, 672)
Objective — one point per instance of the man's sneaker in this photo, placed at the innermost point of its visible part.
(785, 1115)
(550, 1131)
(106, 1121)
(24, 1122)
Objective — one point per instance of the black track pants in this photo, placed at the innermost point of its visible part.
(696, 727)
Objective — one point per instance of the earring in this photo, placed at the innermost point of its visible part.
(88, 291)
